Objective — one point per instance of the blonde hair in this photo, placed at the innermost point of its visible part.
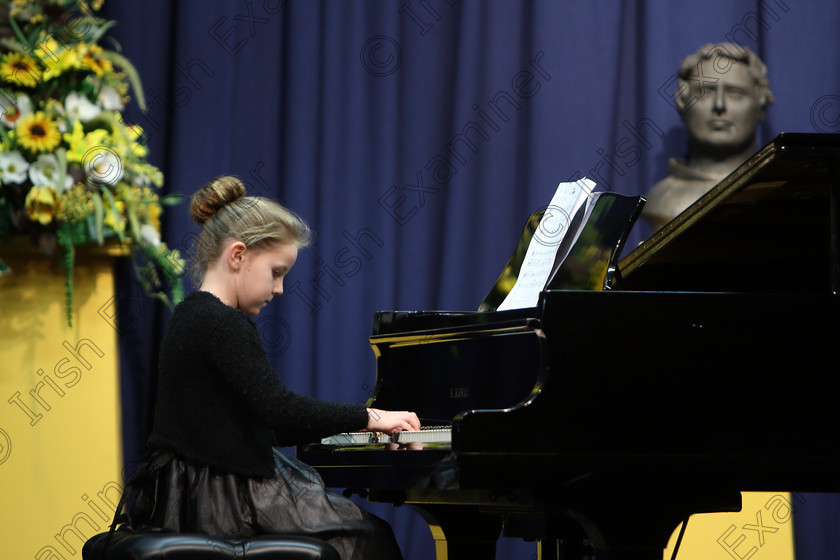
(226, 213)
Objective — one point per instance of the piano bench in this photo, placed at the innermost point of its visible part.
(125, 545)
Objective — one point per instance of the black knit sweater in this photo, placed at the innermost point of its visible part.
(221, 404)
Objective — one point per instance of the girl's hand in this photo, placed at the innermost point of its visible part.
(389, 421)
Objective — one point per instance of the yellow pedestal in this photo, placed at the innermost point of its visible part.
(60, 438)
(762, 530)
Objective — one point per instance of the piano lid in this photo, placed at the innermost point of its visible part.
(770, 226)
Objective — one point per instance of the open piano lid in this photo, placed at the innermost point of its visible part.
(770, 226)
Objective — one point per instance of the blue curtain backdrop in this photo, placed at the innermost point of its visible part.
(416, 136)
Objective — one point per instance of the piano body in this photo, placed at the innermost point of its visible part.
(598, 420)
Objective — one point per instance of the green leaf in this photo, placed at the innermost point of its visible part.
(66, 238)
(20, 36)
(12, 142)
(171, 199)
(90, 222)
(61, 156)
(102, 29)
(98, 216)
(134, 223)
(13, 45)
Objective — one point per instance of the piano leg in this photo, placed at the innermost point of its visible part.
(570, 543)
(557, 538)
(461, 533)
(834, 243)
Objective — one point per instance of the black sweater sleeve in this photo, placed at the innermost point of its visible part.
(242, 363)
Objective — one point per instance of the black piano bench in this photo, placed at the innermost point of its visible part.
(125, 545)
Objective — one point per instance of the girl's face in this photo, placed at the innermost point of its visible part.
(261, 275)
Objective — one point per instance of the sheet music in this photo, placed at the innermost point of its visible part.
(542, 250)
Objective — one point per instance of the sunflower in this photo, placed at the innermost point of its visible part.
(38, 133)
(92, 59)
(20, 70)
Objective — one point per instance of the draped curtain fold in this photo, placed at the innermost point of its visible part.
(416, 137)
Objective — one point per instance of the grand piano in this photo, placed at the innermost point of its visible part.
(638, 391)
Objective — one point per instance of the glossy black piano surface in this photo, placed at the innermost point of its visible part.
(699, 370)
(770, 226)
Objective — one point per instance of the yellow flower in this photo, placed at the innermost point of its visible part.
(145, 202)
(135, 135)
(154, 211)
(53, 108)
(38, 133)
(55, 58)
(116, 223)
(76, 204)
(42, 204)
(18, 7)
(20, 70)
(75, 140)
(81, 143)
(91, 59)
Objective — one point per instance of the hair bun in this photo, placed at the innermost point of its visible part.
(213, 196)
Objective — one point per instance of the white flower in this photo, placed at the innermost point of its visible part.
(110, 99)
(13, 167)
(11, 112)
(80, 108)
(103, 166)
(140, 180)
(44, 173)
(150, 235)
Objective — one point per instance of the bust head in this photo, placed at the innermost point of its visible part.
(723, 96)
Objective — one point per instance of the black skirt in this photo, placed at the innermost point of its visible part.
(168, 493)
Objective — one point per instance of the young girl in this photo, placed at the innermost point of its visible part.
(221, 408)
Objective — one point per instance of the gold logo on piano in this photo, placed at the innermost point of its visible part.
(459, 392)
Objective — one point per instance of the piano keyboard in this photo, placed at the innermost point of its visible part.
(426, 434)
(431, 434)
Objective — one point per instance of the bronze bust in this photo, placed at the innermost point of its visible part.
(722, 98)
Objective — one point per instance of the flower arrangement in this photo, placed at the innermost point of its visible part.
(72, 172)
